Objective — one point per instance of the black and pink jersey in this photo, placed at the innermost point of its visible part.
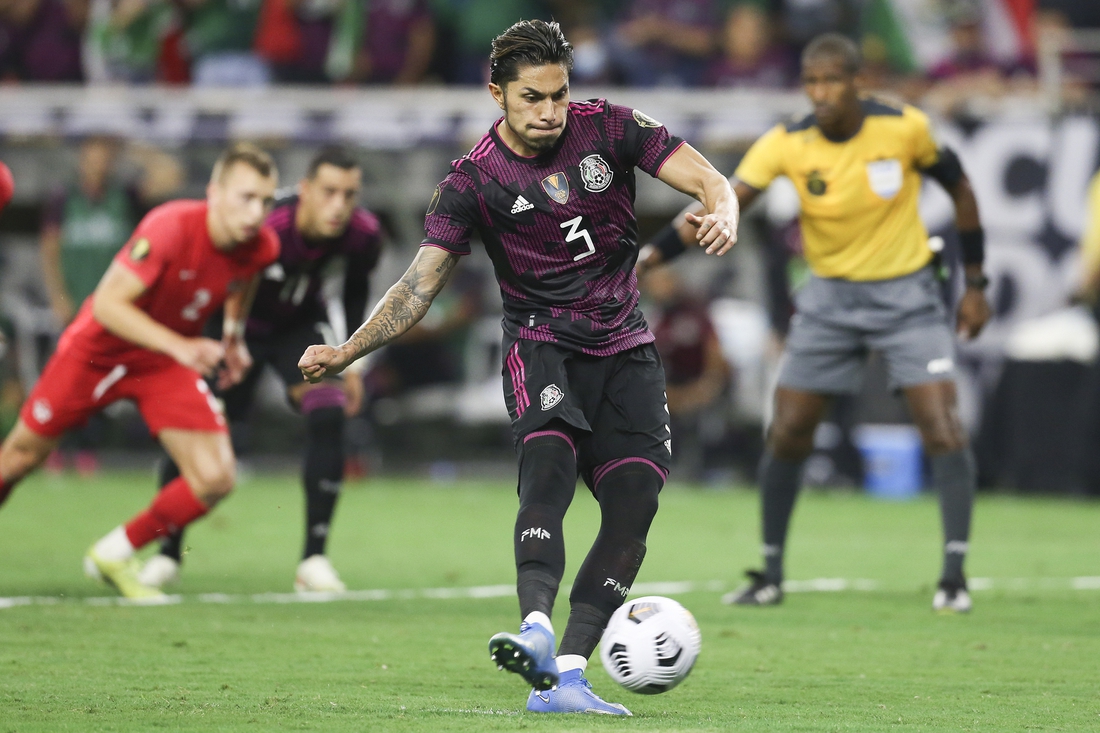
(559, 227)
(291, 291)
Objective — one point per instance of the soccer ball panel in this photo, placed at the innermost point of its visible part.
(650, 645)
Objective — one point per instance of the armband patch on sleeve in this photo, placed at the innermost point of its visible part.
(947, 169)
(667, 241)
(972, 244)
(645, 120)
(140, 249)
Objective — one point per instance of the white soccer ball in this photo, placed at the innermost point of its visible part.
(650, 644)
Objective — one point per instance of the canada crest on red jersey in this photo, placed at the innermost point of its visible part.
(556, 186)
(596, 173)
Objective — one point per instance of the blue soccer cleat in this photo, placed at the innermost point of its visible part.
(572, 695)
(530, 654)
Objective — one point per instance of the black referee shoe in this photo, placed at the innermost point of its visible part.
(758, 592)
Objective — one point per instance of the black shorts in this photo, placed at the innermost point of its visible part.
(615, 403)
(281, 351)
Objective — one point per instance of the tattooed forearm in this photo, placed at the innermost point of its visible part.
(405, 303)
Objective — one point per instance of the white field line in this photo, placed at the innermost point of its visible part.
(670, 588)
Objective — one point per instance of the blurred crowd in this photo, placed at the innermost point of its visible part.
(962, 46)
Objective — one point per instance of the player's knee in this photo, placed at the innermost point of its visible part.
(628, 495)
(323, 397)
(18, 463)
(791, 439)
(214, 481)
(20, 457)
(943, 436)
(548, 469)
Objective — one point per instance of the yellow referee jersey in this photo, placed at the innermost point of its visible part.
(859, 196)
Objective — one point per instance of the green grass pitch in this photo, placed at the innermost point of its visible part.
(1027, 658)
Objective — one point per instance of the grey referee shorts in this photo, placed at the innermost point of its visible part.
(839, 322)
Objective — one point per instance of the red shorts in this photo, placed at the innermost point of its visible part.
(168, 395)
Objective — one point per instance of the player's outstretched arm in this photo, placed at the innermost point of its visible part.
(675, 238)
(400, 309)
(688, 171)
(113, 306)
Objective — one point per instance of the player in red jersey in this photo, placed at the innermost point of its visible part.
(138, 337)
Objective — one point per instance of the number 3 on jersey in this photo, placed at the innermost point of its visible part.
(574, 233)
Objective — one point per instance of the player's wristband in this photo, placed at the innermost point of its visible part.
(668, 243)
(972, 244)
(232, 328)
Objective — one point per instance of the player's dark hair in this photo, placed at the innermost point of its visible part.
(836, 46)
(251, 155)
(528, 43)
(334, 155)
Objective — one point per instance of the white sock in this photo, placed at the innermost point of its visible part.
(540, 618)
(567, 662)
(115, 546)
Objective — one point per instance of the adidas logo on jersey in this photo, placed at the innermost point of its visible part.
(521, 204)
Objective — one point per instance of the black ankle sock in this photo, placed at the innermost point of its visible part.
(955, 476)
(779, 484)
(583, 630)
(323, 474)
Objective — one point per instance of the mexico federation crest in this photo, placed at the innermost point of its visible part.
(596, 173)
(556, 186)
(550, 396)
(140, 250)
(645, 120)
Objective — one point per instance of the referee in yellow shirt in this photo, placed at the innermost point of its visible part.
(857, 164)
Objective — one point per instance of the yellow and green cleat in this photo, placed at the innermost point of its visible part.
(121, 575)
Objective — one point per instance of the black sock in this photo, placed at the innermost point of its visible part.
(955, 477)
(547, 482)
(779, 484)
(171, 545)
(323, 474)
(628, 502)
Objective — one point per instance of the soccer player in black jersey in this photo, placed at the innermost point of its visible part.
(318, 287)
(550, 192)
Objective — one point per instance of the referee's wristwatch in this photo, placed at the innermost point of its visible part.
(978, 282)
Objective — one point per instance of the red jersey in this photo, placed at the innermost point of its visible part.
(187, 277)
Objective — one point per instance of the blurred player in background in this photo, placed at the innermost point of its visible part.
(550, 192)
(857, 165)
(318, 287)
(139, 337)
(85, 224)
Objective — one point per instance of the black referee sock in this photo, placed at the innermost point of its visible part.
(547, 482)
(171, 545)
(628, 503)
(323, 474)
(780, 481)
(955, 477)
